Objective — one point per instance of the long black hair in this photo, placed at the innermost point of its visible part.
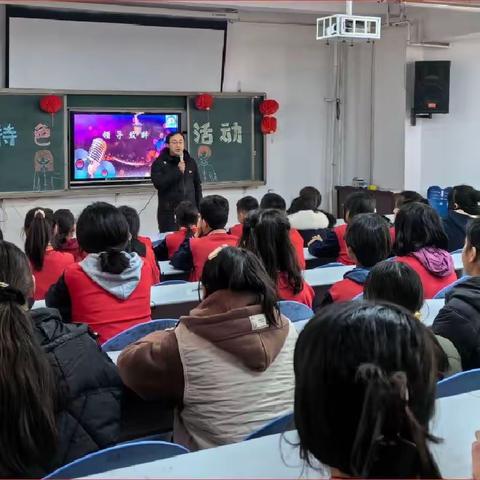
(64, 226)
(133, 220)
(266, 234)
(101, 228)
(369, 238)
(408, 196)
(38, 226)
(27, 384)
(365, 380)
(418, 226)
(239, 270)
(466, 198)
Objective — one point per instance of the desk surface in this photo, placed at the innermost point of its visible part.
(430, 310)
(455, 421)
(166, 269)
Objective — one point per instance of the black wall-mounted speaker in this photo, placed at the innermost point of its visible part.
(432, 86)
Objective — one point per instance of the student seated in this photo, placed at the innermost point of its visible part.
(211, 233)
(420, 242)
(64, 234)
(186, 218)
(273, 200)
(266, 234)
(365, 382)
(463, 206)
(396, 282)
(110, 289)
(141, 245)
(47, 264)
(459, 319)
(244, 206)
(228, 365)
(61, 394)
(305, 214)
(368, 242)
(331, 244)
(407, 196)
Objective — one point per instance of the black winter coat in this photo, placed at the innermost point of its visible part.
(459, 321)
(89, 386)
(173, 186)
(455, 225)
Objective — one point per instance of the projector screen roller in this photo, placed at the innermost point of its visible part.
(67, 54)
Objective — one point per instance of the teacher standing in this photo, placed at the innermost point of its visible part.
(175, 175)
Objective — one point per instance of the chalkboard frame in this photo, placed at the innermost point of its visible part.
(125, 189)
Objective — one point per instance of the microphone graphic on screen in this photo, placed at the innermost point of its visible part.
(96, 152)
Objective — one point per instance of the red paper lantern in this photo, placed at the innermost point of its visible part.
(204, 101)
(51, 104)
(268, 125)
(269, 107)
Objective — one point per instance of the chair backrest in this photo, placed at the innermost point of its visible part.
(295, 311)
(170, 282)
(278, 425)
(299, 326)
(462, 382)
(438, 199)
(331, 264)
(444, 291)
(132, 334)
(456, 251)
(120, 456)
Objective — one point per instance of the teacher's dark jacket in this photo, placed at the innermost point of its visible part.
(173, 186)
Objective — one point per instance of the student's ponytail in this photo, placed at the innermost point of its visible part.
(38, 237)
(27, 386)
(389, 441)
(113, 261)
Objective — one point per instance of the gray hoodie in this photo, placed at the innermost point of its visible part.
(120, 285)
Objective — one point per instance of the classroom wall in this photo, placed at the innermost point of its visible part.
(450, 144)
(296, 74)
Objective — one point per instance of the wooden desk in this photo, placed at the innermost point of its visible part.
(384, 198)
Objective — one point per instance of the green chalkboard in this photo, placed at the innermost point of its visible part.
(226, 140)
(32, 152)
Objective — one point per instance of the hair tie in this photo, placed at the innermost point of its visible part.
(10, 294)
(39, 211)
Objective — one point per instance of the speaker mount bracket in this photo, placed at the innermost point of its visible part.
(414, 115)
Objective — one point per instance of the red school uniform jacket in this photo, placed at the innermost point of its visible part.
(203, 246)
(285, 292)
(297, 242)
(432, 284)
(345, 290)
(150, 259)
(54, 263)
(342, 245)
(105, 313)
(175, 239)
(237, 230)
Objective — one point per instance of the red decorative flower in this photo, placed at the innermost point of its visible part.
(51, 104)
(269, 107)
(204, 101)
(268, 125)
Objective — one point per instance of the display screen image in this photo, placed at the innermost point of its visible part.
(117, 146)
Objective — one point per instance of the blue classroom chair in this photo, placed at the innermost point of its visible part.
(170, 282)
(462, 382)
(331, 264)
(443, 292)
(278, 425)
(132, 334)
(120, 456)
(295, 311)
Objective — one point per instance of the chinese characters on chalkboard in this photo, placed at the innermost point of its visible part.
(8, 135)
(229, 133)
